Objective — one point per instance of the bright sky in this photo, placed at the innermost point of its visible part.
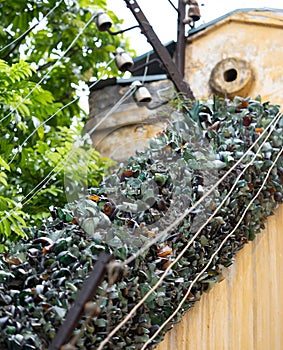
(163, 17)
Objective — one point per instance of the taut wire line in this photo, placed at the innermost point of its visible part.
(213, 255)
(189, 210)
(130, 92)
(31, 28)
(145, 68)
(134, 309)
(53, 115)
(48, 177)
(51, 68)
(171, 3)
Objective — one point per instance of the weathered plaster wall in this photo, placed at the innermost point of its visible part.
(255, 37)
(128, 128)
(245, 310)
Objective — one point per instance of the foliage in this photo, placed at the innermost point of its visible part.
(30, 150)
(43, 45)
(40, 277)
(39, 125)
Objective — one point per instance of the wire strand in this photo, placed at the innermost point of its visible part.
(37, 188)
(134, 309)
(189, 210)
(146, 67)
(53, 115)
(213, 256)
(171, 3)
(32, 27)
(45, 181)
(115, 107)
(52, 67)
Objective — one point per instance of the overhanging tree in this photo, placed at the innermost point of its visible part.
(60, 52)
(44, 44)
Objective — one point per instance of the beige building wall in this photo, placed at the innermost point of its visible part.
(255, 37)
(118, 133)
(245, 310)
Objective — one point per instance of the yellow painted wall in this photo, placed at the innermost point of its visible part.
(245, 311)
(253, 36)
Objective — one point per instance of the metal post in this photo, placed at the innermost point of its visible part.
(171, 69)
(86, 293)
(181, 39)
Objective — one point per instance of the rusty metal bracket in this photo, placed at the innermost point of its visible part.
(121, 31)
(172, 71)
(86, 293)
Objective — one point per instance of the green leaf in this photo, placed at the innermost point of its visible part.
(4, 164)
(3, 178)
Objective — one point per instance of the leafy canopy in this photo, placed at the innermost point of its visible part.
(44, 44)
(38, 130)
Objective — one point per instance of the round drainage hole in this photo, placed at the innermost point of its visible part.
(230, 75)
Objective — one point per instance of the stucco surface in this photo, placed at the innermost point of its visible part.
(255, 37)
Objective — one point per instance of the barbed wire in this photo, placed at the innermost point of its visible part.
(213, 255)
(153, 288)
(176, 222)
